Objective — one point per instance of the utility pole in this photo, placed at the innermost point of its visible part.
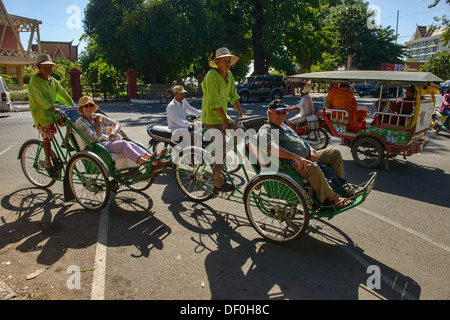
(396, 29)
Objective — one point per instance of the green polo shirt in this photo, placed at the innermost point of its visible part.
(42, 96)
(217, 93)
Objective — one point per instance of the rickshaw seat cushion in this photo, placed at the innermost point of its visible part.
(121, 162)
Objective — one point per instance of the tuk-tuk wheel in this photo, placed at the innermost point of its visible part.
(368, 153)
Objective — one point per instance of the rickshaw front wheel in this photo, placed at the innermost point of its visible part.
(88, 181)
(194, 175)
(368, 153)
(276, 208)
(32, 160)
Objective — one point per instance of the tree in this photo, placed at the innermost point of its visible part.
(282, 32)
(349, 21)
(96, 70)
(355, 43)
(379, 47)
(445, 22)
(438, 65)
(162, 39)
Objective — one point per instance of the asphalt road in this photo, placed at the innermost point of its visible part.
(158, 245)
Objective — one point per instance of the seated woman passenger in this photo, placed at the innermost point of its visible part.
(342, 98)
(94, 127)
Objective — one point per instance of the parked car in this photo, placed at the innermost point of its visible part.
(387, 90)
(262, 88)
(363, 89)
(5, 102)
(444, 86)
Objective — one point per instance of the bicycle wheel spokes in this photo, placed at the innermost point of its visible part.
(89, 182)
(276, 209)
(33, 164)
(194, 176)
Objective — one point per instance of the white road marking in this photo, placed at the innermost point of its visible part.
(98, 281)
(5, 151)
(398, 225)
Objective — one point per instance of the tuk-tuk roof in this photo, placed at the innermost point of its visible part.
(380, 77)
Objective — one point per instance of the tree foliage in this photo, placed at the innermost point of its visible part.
(438, 65)
(445, 21)
(362, 47)
(168, 39)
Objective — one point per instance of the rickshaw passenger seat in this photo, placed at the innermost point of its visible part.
(121, 162)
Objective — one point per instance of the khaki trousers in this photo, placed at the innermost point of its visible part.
(315, 177)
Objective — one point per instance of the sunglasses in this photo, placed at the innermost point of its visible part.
(89, 105)
(279, 113)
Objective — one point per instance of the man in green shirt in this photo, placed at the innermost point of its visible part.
(219, 89)
(43, 90)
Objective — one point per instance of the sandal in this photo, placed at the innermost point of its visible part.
(226, 187)
(52, 172)
(340, 203)
(352, 190)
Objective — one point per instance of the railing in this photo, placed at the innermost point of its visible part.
(17, 53)
(117, 92)
(155, 91)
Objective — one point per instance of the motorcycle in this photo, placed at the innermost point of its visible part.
(161, 137)
(167, 97)
(437, 121)
(313, 132)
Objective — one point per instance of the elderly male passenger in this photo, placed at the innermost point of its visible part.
(303, 158)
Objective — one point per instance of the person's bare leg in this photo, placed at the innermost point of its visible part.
(47, 150)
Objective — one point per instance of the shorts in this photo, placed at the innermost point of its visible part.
(298, 119)
(49, 131)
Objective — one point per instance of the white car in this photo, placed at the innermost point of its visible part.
(5, 102)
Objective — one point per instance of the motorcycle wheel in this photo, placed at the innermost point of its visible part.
(163, 100)
(318, 139)
(435, 127)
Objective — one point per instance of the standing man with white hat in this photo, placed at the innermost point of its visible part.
(219, 89)
(43, 91)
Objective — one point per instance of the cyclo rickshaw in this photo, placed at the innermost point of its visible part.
(278, 204)
(390, 134)
(91, 173)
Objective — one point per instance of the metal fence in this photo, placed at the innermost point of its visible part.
(118, 92)
(156, 91)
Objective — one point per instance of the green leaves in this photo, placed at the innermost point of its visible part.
(438, 65)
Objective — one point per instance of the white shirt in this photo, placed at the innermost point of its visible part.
(306, 106)
(177, 113)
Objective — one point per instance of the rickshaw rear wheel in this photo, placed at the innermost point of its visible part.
(368, 153)
(33, 164)
(276, 208)
(88, 181)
